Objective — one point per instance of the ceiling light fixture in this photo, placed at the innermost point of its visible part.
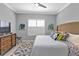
(40, 5)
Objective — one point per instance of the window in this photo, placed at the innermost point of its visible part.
(31, 23)
(40, 23)
(36, 23)
(36, 27)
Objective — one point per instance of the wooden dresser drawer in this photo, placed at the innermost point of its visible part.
(13, 39)
(6, 43)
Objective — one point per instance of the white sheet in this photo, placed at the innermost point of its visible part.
(46, 46)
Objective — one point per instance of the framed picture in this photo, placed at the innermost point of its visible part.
(21, 26)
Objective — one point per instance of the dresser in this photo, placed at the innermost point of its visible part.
(7, 42)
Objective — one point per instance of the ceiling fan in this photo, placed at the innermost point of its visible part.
(40, 5)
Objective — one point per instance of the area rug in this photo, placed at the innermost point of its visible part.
(24, 48)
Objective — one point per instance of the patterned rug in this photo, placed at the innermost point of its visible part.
(24, 48)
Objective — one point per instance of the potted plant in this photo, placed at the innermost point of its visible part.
(50, 27)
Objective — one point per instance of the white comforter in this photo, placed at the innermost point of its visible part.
(46, 46)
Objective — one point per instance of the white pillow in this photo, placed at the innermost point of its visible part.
(73, 38)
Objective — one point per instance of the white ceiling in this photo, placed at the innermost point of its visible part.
(30, 8)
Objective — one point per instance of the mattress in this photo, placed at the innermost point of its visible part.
(44, 45)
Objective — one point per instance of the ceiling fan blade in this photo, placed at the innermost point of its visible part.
(41, 5)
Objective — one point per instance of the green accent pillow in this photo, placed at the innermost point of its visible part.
(59, 36)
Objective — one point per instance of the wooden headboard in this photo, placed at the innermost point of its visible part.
(72, 27)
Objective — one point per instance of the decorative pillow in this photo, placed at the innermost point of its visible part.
(65, 36)
(59, 36)
(54, 35)
(73, 38)
(62, 36)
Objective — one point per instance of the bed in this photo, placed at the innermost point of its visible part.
(45, 46)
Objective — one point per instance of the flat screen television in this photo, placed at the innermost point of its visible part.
(5, 27)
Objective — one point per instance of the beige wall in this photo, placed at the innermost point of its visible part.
(69, 14)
